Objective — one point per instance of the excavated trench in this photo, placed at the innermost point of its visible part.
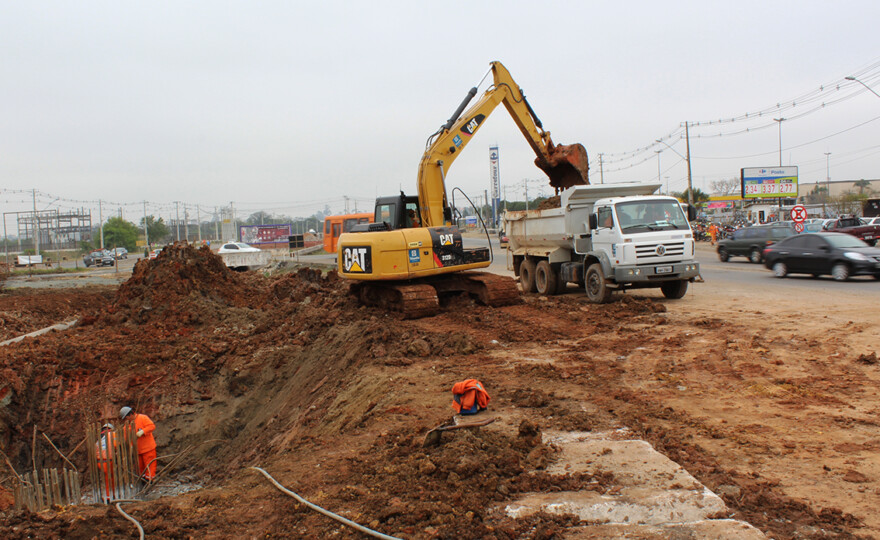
(287, 372)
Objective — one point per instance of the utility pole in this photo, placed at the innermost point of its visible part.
(199, 222)
(779, 121)
(177, 219)
(601, 172)
(36, 225)
(687, 137)
(101, 224)
(234, 228)
(146, 227)
(827, 181)
(216, 225)
(658, 152)
(185, 223)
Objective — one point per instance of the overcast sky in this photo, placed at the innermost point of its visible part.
(291, 106)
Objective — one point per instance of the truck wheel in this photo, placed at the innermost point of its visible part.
(674, 289)
(755, 255)
(594, 282)
(527, 276)
(545, 279)
(723, 255)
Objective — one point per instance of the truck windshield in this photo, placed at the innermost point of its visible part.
(642, 216)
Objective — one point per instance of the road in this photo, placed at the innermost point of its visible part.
(738, 273)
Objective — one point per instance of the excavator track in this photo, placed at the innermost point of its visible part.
(492, 289)
(411, 301)
(422, 299)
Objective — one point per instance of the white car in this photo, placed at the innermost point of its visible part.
(237, 247)
(870, 220)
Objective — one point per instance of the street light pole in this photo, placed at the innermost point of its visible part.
(851, 78)
(780, 120)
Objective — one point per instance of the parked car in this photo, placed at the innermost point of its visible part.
(871, 220)
(119, 253)
(502, 239)
(99, 258)
(838, 254)
(155, 253)
(751, 241)
(815, 226)
(853, 225)
(237, 247)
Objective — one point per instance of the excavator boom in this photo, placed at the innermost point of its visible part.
(566, 165)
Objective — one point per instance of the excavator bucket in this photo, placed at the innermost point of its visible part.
(567, 166)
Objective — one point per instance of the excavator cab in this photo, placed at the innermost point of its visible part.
(392, 213)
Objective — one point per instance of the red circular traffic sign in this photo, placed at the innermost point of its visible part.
(799, 226)
(798, 213)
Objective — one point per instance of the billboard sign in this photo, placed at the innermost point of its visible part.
(769, 182)
(265, 234)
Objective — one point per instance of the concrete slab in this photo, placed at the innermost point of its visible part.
(653, 497)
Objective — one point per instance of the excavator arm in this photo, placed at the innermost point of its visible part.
(566, 165)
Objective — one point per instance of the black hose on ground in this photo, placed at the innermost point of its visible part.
(327, 513)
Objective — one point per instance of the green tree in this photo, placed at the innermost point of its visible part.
(700, 196)
(120, 233)
(156, 228)
(260, 218)
(862, 185)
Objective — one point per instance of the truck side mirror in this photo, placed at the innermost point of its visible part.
(692, 212)
(594, 222)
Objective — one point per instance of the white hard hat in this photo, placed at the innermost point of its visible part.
(123, 412)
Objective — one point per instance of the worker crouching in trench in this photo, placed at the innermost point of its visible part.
(146, 444)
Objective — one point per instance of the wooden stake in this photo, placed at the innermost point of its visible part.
(59, 451)
(34, 449)
(11, 468)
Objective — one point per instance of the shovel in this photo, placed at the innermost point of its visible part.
(433, 437)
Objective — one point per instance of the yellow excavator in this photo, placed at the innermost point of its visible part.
(412, 256)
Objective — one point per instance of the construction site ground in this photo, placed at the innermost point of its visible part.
(770, 400)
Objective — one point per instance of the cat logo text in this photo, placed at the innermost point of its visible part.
(357, 260)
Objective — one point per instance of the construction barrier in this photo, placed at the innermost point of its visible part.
(113, 462)
(37, 492)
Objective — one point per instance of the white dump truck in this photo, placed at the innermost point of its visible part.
(605, 238)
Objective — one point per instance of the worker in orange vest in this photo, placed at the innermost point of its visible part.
(146, 444)
(105, 448)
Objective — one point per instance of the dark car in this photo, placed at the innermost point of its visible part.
(838, 254)
(99, 258)
(751, 241)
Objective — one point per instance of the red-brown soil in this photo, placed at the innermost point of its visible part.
(288, 373)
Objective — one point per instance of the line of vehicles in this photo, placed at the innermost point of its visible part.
(840, 247)
(104, 257)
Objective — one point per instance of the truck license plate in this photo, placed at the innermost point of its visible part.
(869, 237)
(662, 269)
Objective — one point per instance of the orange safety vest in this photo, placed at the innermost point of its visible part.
(469, 397)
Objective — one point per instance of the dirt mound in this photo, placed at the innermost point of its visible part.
(26, 310)
(162, 287)
(552, 202)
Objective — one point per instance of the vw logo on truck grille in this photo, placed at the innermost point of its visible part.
(661, 250)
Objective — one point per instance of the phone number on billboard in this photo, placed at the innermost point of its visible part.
(771, 189)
